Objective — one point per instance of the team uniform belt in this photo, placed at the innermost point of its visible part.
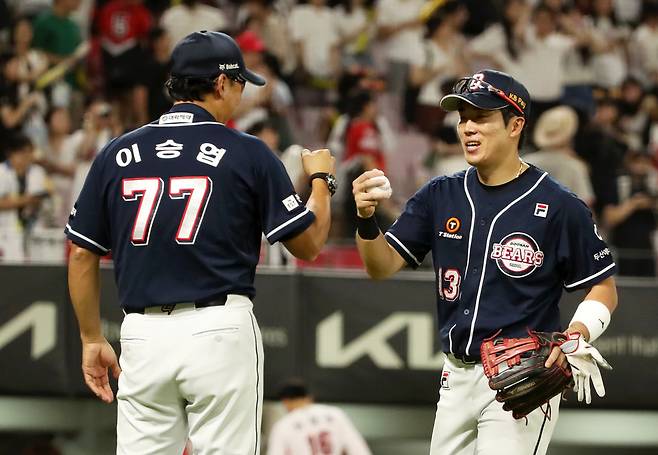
(468, 359)
(168, 308)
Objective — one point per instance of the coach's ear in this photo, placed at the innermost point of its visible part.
(221, 85)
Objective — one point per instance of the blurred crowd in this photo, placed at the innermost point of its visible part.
(360, 77)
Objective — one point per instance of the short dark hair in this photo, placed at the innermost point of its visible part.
(293, 388)
(17, 143)
(189, 88)
(509, 113)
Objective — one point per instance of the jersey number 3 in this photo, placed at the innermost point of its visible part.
(196, 189)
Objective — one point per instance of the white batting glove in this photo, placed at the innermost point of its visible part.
(585, 361)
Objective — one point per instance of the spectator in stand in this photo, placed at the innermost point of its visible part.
(19, 108)
(100, 124)
(630, 216)
(158, 65)
(316, 40)
(440, 58)
(311, 428)
(554, 134)
(22, 188)
(56, 33)
(445, 156)
(273, 30)
(356, 31)
(31, 62)
(643, 47)
(123, 27)
(601, 145)
(634, 113)
(609, 63)
(187, 16)
(399, 26)
(59, 158)
(499, 45)
(365, 149)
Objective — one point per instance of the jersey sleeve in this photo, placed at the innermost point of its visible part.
(583, 255)
(283, 215)
(411, 235)
(88, 223)
(352, 440)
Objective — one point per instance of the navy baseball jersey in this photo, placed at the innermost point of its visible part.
(185, 196)
(502, 254)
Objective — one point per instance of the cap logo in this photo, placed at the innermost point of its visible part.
(475, 82)
(228, 66)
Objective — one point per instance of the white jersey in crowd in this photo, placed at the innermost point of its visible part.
(316, 429)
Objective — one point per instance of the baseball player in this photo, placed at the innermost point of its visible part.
(312, 429)
(505, 239)
(182, 204)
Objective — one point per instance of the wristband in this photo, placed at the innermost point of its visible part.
(367, 228)
(593, 315)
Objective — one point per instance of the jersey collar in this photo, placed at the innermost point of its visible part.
(186, 113)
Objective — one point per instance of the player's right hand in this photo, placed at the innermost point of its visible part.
(97, 358)
(366, 202)
(318, 161)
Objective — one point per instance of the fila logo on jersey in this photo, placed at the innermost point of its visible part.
(452, 226)
(517, 255)
(445, 376)
(541, 210)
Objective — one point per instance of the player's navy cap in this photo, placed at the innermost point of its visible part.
(207, 54)
(489, 89)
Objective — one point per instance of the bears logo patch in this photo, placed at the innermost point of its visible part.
(517, 255)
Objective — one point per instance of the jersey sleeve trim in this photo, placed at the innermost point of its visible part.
(591, 277)
(403, 250)
(283, 225)
(89, 242)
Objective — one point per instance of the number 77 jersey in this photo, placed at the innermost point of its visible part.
(182, 204)
(502, 254)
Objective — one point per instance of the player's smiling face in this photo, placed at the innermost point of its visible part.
(484, 136)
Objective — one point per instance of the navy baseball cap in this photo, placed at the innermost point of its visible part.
(207, 54)
(489, 89)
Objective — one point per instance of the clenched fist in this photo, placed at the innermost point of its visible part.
(369, 189)
(318, 161)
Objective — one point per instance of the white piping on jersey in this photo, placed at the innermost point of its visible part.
(403, 247)
(281, 226)
(589, 277)
(170, 125)
(450, 337)
(86, 239)
(486, 252)
(470, 234)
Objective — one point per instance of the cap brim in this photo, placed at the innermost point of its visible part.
(453, 101)
(254, 78)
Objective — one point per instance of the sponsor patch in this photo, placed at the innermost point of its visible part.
(517, 255)
(228, 66)
(453, 224)
(176, 117)
(445, 380)
(541, 210)
(290, 203)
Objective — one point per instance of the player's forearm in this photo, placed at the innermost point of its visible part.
(320, 204)
(605, 293)
(84, 287)
(381, 261)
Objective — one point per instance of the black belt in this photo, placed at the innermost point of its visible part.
(471, 359)
(168, 308)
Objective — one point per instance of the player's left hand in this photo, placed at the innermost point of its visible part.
(585, 361)
(97, 358)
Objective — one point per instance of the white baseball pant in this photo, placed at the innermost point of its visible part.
(194, 373)
(469, 420)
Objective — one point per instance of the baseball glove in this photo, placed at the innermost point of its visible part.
(516, 371)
